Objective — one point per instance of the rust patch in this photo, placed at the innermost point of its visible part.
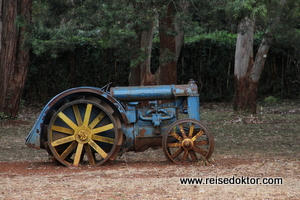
(142, 132)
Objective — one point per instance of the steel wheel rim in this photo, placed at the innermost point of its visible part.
(187, 141)
(84, 132)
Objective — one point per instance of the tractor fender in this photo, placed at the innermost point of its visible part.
(37, 135)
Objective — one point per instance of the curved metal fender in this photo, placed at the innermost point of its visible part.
(33, 139)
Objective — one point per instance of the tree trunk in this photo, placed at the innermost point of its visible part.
(167, 71)
(171, 36)
(247, 71)
(141, 74)
(171, 40)
(14, 56)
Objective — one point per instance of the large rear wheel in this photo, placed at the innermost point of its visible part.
(84, 132)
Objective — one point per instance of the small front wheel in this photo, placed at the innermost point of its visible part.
(187, 141)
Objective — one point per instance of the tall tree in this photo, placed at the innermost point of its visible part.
(264, 17)
(141, 46)
(14, 55)
(259, 24)
(171, 33)
(247, 69)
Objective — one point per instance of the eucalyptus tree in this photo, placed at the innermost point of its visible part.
(267, 18)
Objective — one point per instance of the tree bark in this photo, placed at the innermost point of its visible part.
(247, 70)
(141, 74)
(14, 56)
(167, 71)
(171, 36)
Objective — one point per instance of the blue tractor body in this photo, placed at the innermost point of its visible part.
(91, 125)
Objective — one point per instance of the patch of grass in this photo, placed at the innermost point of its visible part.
(13, 133)
(274, 131)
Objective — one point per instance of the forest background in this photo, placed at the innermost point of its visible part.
(69, 43)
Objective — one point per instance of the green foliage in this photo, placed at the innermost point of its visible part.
(3, 116)
(88, 42)
(209, 60)
(85, 66)
(271, 100)
(61, 25)
(221, 37)
(243, 8)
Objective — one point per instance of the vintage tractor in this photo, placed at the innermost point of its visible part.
(89, 125)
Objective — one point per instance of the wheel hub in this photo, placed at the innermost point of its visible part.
(187, 144)
(83, 135)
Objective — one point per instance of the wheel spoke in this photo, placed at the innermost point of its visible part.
(202, 142)
(87, 115)
(197, 135)
(78, 154)
(191, 131)
(200, 151)
(193, 155)
(77, 114)
(176, 136)
(102, 128)
(103, 139)
(89, 154)
(177, 153)
(98, 149)
(174, 145)
(68, 150)
(63, 140)
(97, 120)
(62, 129)
(185, 155)
(182, 131)
(67, 120)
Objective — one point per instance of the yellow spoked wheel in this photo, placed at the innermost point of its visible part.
(83, 132)
(187, 141)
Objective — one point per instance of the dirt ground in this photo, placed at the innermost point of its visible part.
(262, 146)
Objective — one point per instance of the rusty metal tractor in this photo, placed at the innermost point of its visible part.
(89, 125)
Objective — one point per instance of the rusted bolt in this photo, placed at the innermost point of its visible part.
(187, 144)
(83, 135)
